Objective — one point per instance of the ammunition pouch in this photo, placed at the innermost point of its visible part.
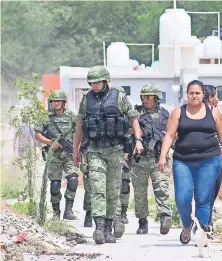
(104, 128)
(111, 127)
(92, 128)
(106, 143)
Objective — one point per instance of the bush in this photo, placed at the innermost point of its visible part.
(153, 214)
(57, 226)
(10, 191)
(26, 208)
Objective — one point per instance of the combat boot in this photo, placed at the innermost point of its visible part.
(124, 215)
(109, 238)
(165, 224)
(119, 228)
(88, 219)
(143, 226)
(56, 210)
(98, 234)
(68, 214)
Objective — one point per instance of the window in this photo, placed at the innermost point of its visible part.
(164, 98)
(127, 90)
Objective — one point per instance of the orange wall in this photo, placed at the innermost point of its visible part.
(49, 82)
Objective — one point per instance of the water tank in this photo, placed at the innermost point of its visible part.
(175, 24)
(198, 46)
(212, 47)
(133, 63)
(155, 64)
(117, 55)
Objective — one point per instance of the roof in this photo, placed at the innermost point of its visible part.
(205, 70)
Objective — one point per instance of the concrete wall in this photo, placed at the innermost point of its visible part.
(73, 86)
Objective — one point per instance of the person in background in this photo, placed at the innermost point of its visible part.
(60, 122)
(211, 98)
(153, 119)
(196, 158)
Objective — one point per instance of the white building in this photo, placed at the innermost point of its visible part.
(182, 58)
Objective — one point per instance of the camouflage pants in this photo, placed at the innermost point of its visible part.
(105, 179)
(87, 195)
(86, 182)
(124, 198)
(58, 163)
(147, 167)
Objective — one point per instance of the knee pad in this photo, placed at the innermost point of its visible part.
(72, 183)
(55, 187)
(125, 189)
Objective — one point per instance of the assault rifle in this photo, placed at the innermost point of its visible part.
(65, 144)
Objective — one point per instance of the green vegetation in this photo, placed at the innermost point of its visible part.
(74, 31)
(57, 226)
(26, 208)
(152, 210)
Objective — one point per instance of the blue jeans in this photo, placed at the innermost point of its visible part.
(198, 179)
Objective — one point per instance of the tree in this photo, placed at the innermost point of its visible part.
(22, 118)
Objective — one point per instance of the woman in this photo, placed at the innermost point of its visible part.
(196, 158)
(211, 98)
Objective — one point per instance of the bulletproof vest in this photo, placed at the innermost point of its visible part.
(158, 118)
(154, 125)
(103, 119)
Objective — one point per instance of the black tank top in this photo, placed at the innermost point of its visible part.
(197, 139)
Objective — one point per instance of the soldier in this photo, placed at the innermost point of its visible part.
(61, 122)
(153, 119)
(102, 118)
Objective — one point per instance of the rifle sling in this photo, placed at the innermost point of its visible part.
(58, 129)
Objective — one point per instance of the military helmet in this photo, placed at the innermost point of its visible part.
(97, 74)
(152, 89)
(57, 95)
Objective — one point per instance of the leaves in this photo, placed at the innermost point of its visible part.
(41, 36)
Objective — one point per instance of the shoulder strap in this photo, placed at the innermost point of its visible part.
(51, 117)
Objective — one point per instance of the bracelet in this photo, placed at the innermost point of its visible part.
(139, 139)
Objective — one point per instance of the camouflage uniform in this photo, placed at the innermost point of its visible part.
(58, 160)
(147, 167)
(123, 201)
(104, 159)
(86, 182)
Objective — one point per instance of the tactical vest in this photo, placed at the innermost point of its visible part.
(158, 122)
(154, 125)
(104, 121)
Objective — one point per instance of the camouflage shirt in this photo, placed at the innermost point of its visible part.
(66, 123)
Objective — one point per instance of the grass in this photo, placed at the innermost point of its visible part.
(10, 191)
(57, 226)
(153, 213)
(12, 181)
(26, 208)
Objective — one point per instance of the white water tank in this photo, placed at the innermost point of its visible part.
(117, 55)
(198, 46)
(133, 63)
(212, 47)
(199, 50)
(175, 24)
